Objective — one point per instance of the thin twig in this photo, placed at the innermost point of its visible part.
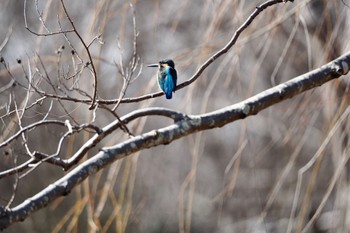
(37, 33)
(7, 37)
(94, 72)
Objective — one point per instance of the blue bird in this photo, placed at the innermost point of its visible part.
(167, 76)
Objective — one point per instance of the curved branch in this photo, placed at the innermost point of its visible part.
(29, 127)
(94, 140)
(66, 164)
(39, 157)
(181, 128)
(194, 77)
(42, 21)
(18, 169)
(219, 53)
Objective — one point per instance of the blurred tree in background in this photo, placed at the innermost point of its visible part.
(73, 87)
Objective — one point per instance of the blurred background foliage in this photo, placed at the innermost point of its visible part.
(249, 176)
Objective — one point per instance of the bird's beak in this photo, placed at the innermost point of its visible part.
(153, 65)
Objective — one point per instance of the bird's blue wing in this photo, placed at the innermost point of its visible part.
(169, 82)
(174, 77)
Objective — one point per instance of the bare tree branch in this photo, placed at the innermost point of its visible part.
(194, 77)
(94, 72)
(42, 21)
(186, 125)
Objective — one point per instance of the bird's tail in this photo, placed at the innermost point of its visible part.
(169, 95)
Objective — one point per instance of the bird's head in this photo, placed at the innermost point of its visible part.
(163, 63)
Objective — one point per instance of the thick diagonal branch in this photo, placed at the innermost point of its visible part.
(188, 125)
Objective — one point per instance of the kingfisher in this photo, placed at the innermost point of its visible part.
(167, 76)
